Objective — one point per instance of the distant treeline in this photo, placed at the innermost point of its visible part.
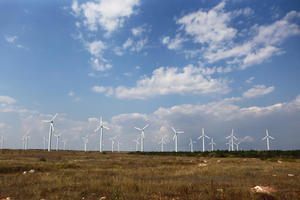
(231, 154)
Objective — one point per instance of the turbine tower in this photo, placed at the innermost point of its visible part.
(142, 135)
(162, 142)
(85, 141)
(51, 129)
(203, 136)
(118, 142)
(25, 140)
(136, 144)
(44, 142)
(212, 144)
(267, 137)
(231, 139)
(191, 144)
(237, 143)
(2, 142)
(112, 143)
(57, 140)
(101, 126)
(65, 142)
(175, 137)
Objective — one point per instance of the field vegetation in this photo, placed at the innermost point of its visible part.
(75, 175)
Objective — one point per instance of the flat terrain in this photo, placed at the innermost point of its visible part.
(91, 175)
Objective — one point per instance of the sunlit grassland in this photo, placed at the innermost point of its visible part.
(92, 175)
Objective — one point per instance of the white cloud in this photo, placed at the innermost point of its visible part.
(174, 81)
(250, 80)
(96, 48)
(7, 100)
(209, 27)
(138, 31)
(258, 90)
(99, 89)
(128, 43)
(110, 15)
(71, 93)
(10, 39)
(100, 66)
(173, 44)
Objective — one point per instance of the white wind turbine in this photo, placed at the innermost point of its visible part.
(136, 144)
(212, 144)
(118, 143)
(267, 137)
(228, 144)
(44, 142)
(142, 137)
(26, 137)
(162, 142)
(175, 137)
(2, 142)
(57, 140)
(191, 144)
(51, 129)
(64, 142)
(112, 143)
(85, 141)
(237, 143)
(231, 139)
(203, 136)
(101, 126)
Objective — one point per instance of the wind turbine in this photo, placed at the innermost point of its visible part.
(44, 142)
(25, 139)
(112, 143)
(191, 144)
(51, 129)
(231, 139)
(101, 126)
(64, 142)
(85, 141)
(162, 142)
(267, 137)
(203, 136)
(237, 143)
(175, 137)
(212, 144)
(142, 135)
(136, 144)
(2, 142)
(119, 145)
(57, 140)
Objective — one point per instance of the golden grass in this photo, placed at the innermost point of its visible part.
(91, 175)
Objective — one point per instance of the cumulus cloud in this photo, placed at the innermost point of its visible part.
(172, 80)
(258, 90)
(7, 100)
(250, 80)
(173, 44)
(10, 39)
(96, 48)
(98, 65)
(210, 27)
(109, 15)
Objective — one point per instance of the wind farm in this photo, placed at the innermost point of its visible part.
(149, 100)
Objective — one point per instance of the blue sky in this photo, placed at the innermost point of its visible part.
(188, 64)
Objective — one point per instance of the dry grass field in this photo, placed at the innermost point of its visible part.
(71, 175)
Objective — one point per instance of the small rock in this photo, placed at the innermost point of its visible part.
(31, 171)
(291, 175)
(202, 165)
(218, 161)
(274, 175)
(205, 161)
(102, 198)
(24, 172)
(220, 190)
(279, 161)
(263, 189)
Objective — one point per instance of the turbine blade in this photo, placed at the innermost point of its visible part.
(173, 129)
(45, 121)
(180, 132)
(264, 138)
(174, 137)
(54, 117)
(97, 129)
(198, 138)
(271, 137)
(146, 126)
(137, 128)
